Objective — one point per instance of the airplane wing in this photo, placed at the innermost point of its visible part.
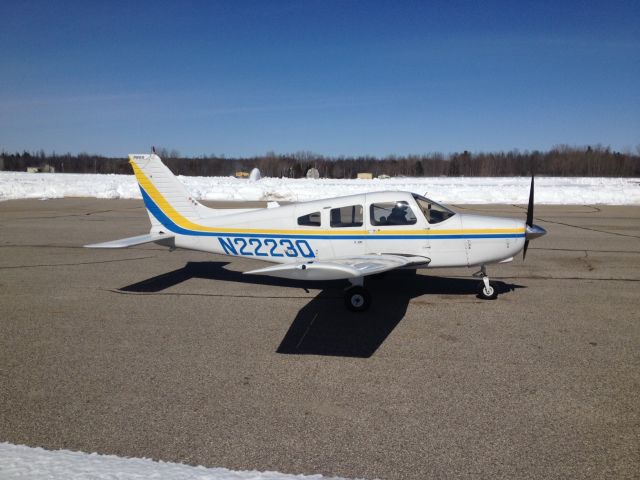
(341, 268)
(131, 241)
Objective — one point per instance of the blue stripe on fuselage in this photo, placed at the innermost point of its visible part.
(171, 225)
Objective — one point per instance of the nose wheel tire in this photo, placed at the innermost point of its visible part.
(487, 292)
(357, 299)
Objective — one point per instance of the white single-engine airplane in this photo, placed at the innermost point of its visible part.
(347, 237)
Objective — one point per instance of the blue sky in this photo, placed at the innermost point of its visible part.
(332, 77)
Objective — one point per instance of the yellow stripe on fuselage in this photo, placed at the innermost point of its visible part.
(187, 224)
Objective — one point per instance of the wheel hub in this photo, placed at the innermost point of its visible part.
(357, 300)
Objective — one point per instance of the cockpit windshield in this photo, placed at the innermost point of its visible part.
(433, 212)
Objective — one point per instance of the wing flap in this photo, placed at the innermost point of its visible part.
(339, 268)
(132, 241)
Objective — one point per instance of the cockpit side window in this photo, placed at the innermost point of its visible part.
(392, 213)
(310, 220)
(350, 216)
(433, 212)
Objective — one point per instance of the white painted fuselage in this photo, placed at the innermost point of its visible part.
(276, 235)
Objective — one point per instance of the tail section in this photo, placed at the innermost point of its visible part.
(167, 201)
(170, 206)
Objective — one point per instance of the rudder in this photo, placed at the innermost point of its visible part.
(162, 191)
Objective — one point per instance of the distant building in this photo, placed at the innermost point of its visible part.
(41, 169)
(313, 173)
(365, 176)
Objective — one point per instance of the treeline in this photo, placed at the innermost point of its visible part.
(560, 161)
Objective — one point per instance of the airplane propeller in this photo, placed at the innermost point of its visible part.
(532, 231)
(529, 218)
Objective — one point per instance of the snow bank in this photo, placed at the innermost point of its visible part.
(503, 190)
(14, 185)
(20, 462)
(255, 175)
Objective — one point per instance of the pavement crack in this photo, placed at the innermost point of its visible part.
(606, 232)
(583, 250)
(583, 279)
(587, 262)
(76, 263)
(71, 215)
(72, 247)
(595, 210)
(306, 331)
(223, 295)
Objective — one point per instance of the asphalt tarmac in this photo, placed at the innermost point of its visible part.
(177, 356)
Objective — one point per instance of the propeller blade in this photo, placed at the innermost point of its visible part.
(530, 208)
(529, 218)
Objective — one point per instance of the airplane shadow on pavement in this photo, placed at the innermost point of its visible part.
(324, 326)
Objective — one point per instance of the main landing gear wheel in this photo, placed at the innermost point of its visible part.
(357, 299)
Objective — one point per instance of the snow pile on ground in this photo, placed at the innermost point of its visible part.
(503, 190)
(255, 175)
(14, 185)
(20, 462)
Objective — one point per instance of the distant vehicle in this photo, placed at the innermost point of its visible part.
(242, 174)
(348, 237)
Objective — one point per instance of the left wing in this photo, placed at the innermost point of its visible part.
(341, 268)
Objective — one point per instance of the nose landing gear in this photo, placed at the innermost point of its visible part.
(486, 291)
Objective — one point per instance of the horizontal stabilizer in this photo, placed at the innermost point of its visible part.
(131, 241)
(340, 268)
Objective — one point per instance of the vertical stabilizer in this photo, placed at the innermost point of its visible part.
(162, 191)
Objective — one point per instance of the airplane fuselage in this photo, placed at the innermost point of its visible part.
(345, 227)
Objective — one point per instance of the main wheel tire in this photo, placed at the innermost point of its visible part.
(487, 293)
(357, 299)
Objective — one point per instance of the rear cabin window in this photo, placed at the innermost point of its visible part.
(310, 220)
(392, 213)
(350, 216)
